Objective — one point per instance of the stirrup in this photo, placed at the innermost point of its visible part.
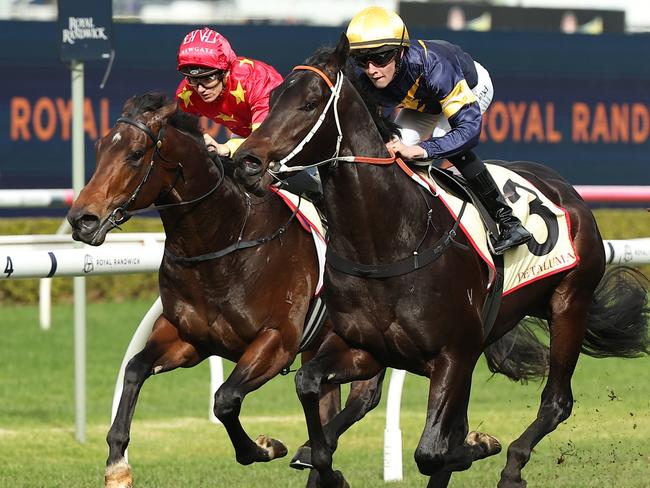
(517, 238)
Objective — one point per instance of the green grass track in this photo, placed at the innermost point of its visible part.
(603, 444)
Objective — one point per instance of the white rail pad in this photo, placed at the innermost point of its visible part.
(64, 241)
(628, 251)
(36, 198)
(85, 261)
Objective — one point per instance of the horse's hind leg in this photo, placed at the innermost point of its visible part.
(330, 395)
(567, 326)
(264, 358)
(164, 351)
(363, 397)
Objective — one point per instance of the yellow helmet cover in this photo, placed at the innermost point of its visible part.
(375, 27)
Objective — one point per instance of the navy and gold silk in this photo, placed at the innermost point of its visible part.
(437, 77)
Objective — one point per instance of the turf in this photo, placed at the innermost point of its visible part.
(173, 444)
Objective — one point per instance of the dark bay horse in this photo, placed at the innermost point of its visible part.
(428, 321)
(237, 278)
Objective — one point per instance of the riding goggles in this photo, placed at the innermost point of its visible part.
(379, 59)
(209, 81)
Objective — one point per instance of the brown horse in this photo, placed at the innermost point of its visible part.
(390, 311)
(237, 278)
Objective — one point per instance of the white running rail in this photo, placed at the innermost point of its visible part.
(54, 255)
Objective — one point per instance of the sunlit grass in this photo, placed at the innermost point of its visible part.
(173, 444)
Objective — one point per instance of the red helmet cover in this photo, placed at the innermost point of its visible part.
(205, 47)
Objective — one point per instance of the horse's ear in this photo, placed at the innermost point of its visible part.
(164, 112)
(340, 54)
(168, 110)
(128, 105)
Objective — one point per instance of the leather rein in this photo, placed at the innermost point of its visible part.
(411, 263)
(122, 213)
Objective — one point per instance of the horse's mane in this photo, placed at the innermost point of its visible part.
(183, 121)
(152, 101)
(386, 127)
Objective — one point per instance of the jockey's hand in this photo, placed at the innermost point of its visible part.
(407, 152)
(214, 146)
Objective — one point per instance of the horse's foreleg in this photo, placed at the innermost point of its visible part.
(444, 446)
(567, 327)
(164, 351)
(334, 363)
(264, 358)
(363, 397)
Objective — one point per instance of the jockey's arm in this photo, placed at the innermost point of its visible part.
(233, 143)
(226, 149)
(464, 134)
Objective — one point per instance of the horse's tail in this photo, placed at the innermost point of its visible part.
(520, 354)
(617, 324)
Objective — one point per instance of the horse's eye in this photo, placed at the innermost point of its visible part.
(136, 155)
(309, 106)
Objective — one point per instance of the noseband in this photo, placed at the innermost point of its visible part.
(122, 213)
(280, 166)
(276, 167)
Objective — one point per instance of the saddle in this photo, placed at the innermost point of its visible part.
(455, 184)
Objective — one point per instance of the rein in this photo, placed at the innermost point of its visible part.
(281, 167)
(418, 259)
(122, 213)
(238, 244)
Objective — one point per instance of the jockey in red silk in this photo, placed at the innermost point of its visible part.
(230, 90)
(442, 93)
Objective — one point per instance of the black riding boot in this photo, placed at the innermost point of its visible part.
(511, 232)
(306, 183)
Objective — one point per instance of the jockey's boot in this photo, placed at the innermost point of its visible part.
(511, 231)
(305, 183)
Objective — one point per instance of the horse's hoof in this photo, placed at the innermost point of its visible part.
(511, 483)
(118, 475)
(274, 448)
(302, 458)
(488, 445)
(341, 482)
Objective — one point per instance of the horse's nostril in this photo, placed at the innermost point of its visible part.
(87, 223)
(252, 166)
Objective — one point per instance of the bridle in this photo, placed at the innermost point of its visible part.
(276, 167)
(122, 213)
(333, 101)
(418, 258)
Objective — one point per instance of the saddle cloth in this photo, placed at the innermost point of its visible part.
(308, 217)
(549, 252)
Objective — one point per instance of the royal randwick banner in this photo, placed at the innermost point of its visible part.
(580, 104)
(85, 29)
